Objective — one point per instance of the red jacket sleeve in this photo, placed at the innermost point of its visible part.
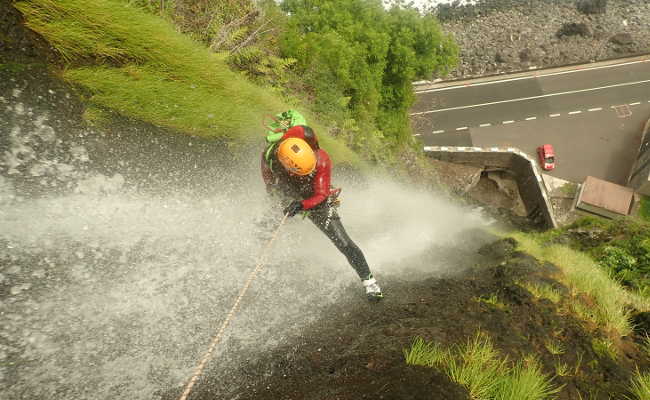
(321, 184)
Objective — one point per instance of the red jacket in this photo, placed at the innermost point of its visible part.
(318, 181)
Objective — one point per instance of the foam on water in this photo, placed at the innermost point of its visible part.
(109, 292)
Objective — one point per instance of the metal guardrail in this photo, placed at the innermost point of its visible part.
(529, 180)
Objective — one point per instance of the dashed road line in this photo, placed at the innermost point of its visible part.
(485, 125)
(646, 81)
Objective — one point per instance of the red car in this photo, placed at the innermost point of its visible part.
(546, 157)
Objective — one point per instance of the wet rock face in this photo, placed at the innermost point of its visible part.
(18, 44)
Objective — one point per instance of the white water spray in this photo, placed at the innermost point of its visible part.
(109, 292)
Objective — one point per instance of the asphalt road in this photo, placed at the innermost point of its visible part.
(593, 115)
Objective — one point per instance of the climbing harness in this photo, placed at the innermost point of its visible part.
(217, 338)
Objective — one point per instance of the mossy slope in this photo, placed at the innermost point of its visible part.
(138, 65)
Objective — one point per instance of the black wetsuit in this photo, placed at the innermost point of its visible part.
(316, 195)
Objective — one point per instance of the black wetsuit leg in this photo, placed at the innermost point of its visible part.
(328, 221)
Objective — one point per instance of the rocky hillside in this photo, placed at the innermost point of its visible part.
(355, 350)
(498, 36)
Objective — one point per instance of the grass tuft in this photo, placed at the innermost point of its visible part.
(555, 348)
(526, 382)
(423, 353)
(561, 369)
(640, 386)
(492, 300)
(542, 291)
(478, 366)
(604, 348)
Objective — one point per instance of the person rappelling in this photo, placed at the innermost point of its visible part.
(294, 166)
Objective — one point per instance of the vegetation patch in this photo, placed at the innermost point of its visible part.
(357, 62)
(644, 210)
(612, 302)
(621, 247)
(478, 366)
(640, 386)
(138, 65)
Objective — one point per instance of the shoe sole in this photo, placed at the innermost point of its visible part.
(375, 298)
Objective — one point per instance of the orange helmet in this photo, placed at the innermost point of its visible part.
(296, 156)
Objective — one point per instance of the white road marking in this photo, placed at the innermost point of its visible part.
(635, 104)
(554, 115)
(533, 97)
(531, 118)
(484, 125)
(574, 112)
(462, 128)
(508, 122)
(596, 109)
(435, 132)
(532, 76)
(417, 134)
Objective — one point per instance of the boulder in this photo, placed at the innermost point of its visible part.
(532, 55)
(622, 39)
(505, 56)
(573, 29)
(592, 6)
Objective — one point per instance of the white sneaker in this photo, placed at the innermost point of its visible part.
(373, 291)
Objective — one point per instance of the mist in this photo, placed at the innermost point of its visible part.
(111, 291)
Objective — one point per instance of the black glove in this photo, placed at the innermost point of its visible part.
(293, 208)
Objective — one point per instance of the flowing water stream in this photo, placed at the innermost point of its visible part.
(110, 291)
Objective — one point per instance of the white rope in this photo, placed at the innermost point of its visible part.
(217, 338)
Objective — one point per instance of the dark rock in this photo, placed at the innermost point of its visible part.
(573, 29)
(499, 250)
(592, 6)
(591, 236)
(524, 55)
(534, 54)
(622, 39)
(517, 295)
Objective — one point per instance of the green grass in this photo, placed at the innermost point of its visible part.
(644, 210)
(555, 348)
(542, 291)
(604, 348)
(138, 65)
(478, 366)
(583, 275)
(561, 369)
(640, 386)
(493, 301)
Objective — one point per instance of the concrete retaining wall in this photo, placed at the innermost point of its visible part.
(529, 181)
